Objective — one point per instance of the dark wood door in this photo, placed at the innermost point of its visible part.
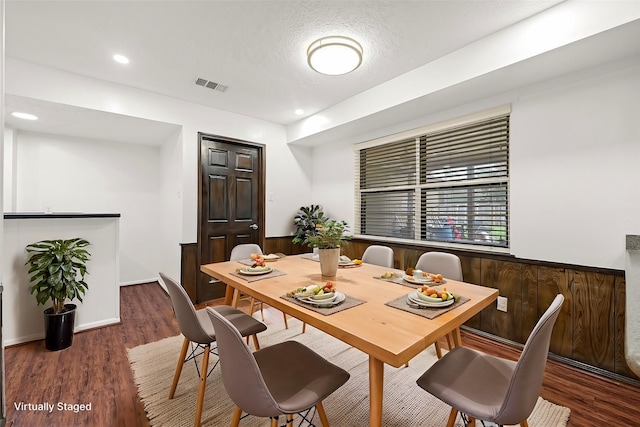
(231, 202)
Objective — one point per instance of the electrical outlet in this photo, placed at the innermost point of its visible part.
(502, 304)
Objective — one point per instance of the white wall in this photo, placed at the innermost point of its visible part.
(288, 171)
(575, 166)
(67, 174)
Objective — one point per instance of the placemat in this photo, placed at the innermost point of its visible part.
(274, 273)
(348, 302)
(430, 313)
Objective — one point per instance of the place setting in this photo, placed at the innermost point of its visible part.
(322, 297)
(412, 278)
(257, 268)
(428, 301)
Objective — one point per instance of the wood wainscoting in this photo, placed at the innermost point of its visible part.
(589, 332)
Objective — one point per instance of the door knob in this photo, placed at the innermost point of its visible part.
(253, 226)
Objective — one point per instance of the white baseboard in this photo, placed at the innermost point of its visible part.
(139, 282)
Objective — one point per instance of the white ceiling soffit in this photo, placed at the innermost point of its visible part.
(255, 48)
(602, 36)
(61, 119)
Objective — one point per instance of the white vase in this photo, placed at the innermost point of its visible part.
(329, 259)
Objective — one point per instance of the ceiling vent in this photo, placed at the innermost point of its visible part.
(211, 85)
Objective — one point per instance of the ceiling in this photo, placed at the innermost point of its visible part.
(256, 48)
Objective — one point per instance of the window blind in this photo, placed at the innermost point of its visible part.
(448, 185)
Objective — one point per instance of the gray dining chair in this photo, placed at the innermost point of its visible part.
(197, 330)
(283, 379)
(244, 251)
(450, 267)
(378, 255)
(489, 388)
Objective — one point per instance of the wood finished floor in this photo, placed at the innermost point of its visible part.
(96, 370)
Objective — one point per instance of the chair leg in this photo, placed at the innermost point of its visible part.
(203, 383)
(289, 422)
(284, 317)
(262, 310)
(472, 422)
(304, 327)
(524, 424)
(256, 344)
(176, 376)
(237, 413)
(449, 344)
(323, 415)
(438, 349)
(274, 422)
(452, 417)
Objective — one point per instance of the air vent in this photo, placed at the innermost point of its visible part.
(211, 85)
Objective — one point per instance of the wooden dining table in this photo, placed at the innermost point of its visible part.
(386, 334)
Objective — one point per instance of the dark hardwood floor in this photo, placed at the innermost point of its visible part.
(95, 370)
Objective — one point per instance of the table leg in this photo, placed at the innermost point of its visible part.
(228, 294)
(457, 338)
(376, 388)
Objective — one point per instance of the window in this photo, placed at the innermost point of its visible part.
(446, 184)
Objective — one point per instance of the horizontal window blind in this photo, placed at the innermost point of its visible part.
(448, 185)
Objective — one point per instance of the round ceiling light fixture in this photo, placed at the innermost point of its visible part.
(334, 55)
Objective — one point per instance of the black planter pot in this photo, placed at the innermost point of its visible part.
(58, 328)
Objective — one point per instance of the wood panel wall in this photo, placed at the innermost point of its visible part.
(591, 325)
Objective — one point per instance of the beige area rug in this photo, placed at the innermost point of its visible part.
(405, 404)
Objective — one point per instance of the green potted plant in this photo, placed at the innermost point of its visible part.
(56, 270)
(306, 220)
(328, 238)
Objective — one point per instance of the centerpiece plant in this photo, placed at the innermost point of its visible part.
(328, 238)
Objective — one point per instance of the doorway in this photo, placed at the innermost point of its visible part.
(231, 207)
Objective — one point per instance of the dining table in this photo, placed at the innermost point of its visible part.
(369, 321)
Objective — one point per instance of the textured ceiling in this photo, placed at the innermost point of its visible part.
(257, 48)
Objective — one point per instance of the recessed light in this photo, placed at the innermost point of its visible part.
(120, 59)
(25, 116)
(299, 112)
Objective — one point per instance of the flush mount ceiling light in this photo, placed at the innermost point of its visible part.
(334, 55)
(25, 116)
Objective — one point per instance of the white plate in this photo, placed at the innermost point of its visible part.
(415, 299)
(254, 273)
(313, 300)
(337, 299)
(270, 257)
(415, 281)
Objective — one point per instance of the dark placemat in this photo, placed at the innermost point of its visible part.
(348, 302)
(274, 273)
(430, 313)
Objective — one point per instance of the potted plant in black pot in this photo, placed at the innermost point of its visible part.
(57, 269)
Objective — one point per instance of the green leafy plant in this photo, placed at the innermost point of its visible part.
(57, 269)
(306, 221)
(328, 235)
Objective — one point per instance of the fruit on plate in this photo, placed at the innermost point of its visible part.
(428, 293)
(409, 271)
(328, 287)
(258, 260)
(313, 290)
(357, 261)
(388, 275)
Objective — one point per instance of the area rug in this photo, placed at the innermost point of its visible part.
(405, 404)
